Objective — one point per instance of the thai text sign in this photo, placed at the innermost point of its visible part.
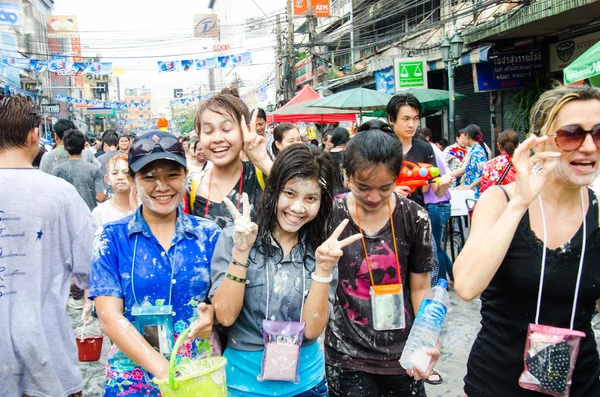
(507, 71)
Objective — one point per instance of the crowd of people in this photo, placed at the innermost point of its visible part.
(256, 243)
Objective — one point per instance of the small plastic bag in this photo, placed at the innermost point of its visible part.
(281, 356)
(550, 356)
(155, 324)
(387, 304)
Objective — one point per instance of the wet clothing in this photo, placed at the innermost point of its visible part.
(86, 178)
(59, 155)
(474, 169)
(185, 268)
(509, 306)
(245, 343)
(105, 213)
(44, 244)
(344, 382)
(350, 339)
(218, 212)
(420, 152)
(493, 171)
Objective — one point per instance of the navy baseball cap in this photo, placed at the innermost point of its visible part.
(155, 145)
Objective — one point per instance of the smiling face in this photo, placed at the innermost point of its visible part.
(298, 204)
(199, 154)
(578, 167)
(406, 123)
(116, 176)
(160, 186)
(220, 138)
(289, 138)
(372, 187)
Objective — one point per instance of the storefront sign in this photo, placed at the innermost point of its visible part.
(206, 25)
(410, 73)
(566, 51)
(62, 26)
(507, 71)
(384, 81)
(320, 8)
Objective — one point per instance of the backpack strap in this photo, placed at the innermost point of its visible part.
(193, 190)
(260, 177)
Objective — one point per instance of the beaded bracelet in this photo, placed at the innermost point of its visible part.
(235, 262)
(235, 278)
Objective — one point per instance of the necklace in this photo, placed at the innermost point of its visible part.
(365, 245)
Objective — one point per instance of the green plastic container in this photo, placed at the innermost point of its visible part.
(198, 378)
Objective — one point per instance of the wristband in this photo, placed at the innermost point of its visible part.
(235, 262)
(235, 278)
(322, 280)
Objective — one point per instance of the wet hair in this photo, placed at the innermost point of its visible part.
(460, 133)
(376, 124)
(426, 133)
(110, 138)
(227, 103)
(278, 134)
(61, 126)
(74, 142)
(113, 160)
(302, 162)
(399, 100)
(339, 136)
(261, 114)
(18, 116)
(474, 133)
(508, 140)
(545, 110)
(371, 148)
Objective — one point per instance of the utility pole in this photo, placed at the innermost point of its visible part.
(278, 87)
(352, 34)
(291, 79)
(311, 36)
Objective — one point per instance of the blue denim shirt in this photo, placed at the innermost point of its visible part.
(115, 273)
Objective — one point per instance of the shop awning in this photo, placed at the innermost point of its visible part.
(476, 55)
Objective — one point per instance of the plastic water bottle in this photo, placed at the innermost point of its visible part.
(426, 328)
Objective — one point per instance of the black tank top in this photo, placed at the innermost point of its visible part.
(509, 306)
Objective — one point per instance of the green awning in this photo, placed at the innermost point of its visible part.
(584, 67)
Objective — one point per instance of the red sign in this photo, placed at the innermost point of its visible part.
(221, 47)
(320, 8)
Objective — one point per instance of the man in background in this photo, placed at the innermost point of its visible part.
(124, 144)
(87, 178)
(110, 146)
(59, 155)
(47, 242)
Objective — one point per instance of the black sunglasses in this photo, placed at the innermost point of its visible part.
(145, 146)
(571, 137)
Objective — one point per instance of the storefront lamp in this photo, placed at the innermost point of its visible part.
(456, 46)
(445, 50)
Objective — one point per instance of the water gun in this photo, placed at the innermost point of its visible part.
(416, 175)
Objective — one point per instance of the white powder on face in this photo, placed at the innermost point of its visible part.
(144, 197)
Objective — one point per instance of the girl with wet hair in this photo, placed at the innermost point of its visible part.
(477, 158)
(280, 269)
(362, 352)
(225, 130)
(532, 255)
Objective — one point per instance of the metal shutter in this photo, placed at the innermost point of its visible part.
(475, 107)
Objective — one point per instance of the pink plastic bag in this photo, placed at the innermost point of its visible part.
(550, 355)
(281, 356)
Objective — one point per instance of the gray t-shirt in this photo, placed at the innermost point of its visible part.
(44, 243)
(86, 178)
(59, 155)
(285, 287)
(103, 159)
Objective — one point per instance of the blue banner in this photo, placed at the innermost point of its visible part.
(384, 81)
(508, 71)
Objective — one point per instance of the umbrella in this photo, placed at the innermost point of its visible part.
(587, 66)
(302, 112)
(357, 99)
(432, 99)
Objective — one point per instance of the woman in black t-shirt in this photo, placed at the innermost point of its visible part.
(534, 248)
(361, 355)
(222, 124)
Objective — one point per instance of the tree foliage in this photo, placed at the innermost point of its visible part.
(183, 116)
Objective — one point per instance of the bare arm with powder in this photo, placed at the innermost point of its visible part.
(127, 338)
(316, 308)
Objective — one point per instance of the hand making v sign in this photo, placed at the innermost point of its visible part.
(329, 253)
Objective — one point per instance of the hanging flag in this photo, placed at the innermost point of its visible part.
(38, 66)
(169, 66)
(186, 64)
(224, 61)
(242, 59)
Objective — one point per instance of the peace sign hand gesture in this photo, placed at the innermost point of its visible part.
(532, 172)
(329, 253)
(245, 231)
(255, 146)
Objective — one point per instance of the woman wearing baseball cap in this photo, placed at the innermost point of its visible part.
(150, 273)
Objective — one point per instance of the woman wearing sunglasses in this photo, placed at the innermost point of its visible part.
(222, 124)
(268, 278)
(540, 279)
(151, 272)
(382, 277)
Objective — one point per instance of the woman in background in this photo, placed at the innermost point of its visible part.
(284, 135)
(499, 170)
